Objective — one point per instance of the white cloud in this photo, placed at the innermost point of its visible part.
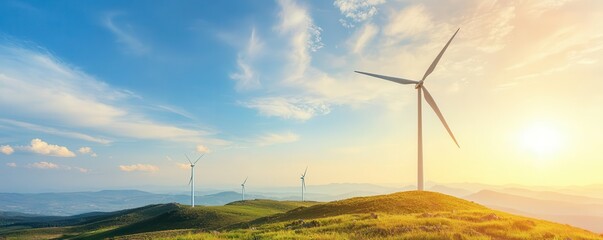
(124, 36)
(40, 147)
(183, 166)
(139, 167)
(11, 164)
(357, 10)
(62, 132)
(202, 149)
(87, 150)
(362, 37)
(247, 78)
(276, 138)
(82, 170)
(304, 36)
(288, 108)
(43, 165)
(35, 85)
(409, 22)
(7, 149)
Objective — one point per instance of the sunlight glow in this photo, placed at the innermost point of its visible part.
(541, 139)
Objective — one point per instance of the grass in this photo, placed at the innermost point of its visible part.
(157, 218)
(405, 215)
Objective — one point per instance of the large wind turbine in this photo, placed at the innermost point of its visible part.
(303, 182)
(192, 181)
(243, 188)
(421, 89)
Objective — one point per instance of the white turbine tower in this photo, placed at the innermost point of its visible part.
(192, 181)
(421, 89)
(303, 182)
(243, 188)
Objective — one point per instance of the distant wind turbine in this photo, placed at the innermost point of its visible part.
(243, 188)
(303, 182)
(192, 181)
(420, 88)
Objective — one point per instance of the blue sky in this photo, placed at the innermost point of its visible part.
(112, 94)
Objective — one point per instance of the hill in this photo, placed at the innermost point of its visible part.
(146, 219)
(404, 215)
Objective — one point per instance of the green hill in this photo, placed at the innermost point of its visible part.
(149, 219)
(404, 215)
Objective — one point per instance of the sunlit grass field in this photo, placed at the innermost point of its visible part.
(405, 215)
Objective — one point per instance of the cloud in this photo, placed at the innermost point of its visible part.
(7, 149)
(183, 165)
(288, 108)
(87, 150)
(246, 77)
(409, 22)
(124, 36)
(57, 132)
(357, 10)
(202, 149)
(11, 164)
(82, 170)
(36, 85)
(40, 147)
(43, 165)
(139, 167)
(363, 37)
(276, 138)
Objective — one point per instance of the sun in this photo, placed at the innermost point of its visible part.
(541, 139)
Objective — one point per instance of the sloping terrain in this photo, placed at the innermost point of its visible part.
(404, 215)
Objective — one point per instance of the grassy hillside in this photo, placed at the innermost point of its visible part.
(155, 218)
(405, 215)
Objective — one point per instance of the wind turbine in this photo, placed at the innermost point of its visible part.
(303, 182)
(421, 89)
(192, 181)
(243, 188)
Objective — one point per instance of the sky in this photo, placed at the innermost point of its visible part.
(113, 94)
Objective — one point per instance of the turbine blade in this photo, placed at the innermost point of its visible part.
(435, 108)
(189, 160)
(437, 59)
(305, 172)
(190, 181)
(198, 158)
(245, 181)
(393, 79)
(304, 183)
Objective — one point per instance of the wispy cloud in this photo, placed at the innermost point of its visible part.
(124, 35)
(37, 85)
(247, 77)
(363, 37)
(53, 166)
(139, 168)
(40, 147)
(11, 164)
(276, 138)
(7, 149)
(202, 148)
(356, 11)
(43, 165)
(288, 108)
(54, 131)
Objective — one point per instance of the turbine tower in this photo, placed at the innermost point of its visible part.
(243, 188)
(192, 181)
(303, 182)
(429, 99)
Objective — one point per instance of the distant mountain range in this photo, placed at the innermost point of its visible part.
(66, 204)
